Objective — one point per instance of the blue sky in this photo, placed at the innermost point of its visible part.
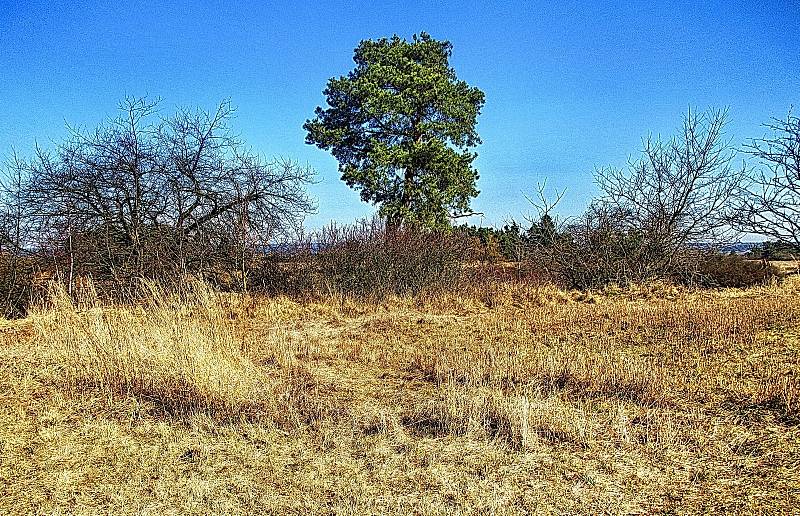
(568, 87)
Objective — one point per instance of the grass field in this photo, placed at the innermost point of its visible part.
(518, 400)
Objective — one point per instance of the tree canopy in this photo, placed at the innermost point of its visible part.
(401, 125)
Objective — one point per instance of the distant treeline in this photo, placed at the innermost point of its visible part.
(778, 251)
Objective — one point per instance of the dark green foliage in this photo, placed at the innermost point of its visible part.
(512, 241)
(775, 251)
(401, 125)
(544, 233)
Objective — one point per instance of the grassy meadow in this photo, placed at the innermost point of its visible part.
(518, 399)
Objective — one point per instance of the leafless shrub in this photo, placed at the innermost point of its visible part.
(770, 205)
(369, 260)
(598, 249)
(285, 269)
(729, 270)
(680, 191)
(148, 196)
(652, 214)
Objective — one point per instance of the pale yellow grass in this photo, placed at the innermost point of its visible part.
(515, 400)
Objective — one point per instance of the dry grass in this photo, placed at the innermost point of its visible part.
(515, 400)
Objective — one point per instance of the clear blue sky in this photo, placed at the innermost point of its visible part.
(569, 86)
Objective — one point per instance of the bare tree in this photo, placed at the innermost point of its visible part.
(652, 214)
(591, 250)
(770, 205)
(14, 230)
(679, 193)
(17, 265)
(143, 194)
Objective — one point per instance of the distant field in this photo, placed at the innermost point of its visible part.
(521, 400)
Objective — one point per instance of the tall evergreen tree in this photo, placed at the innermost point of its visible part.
(401, 125)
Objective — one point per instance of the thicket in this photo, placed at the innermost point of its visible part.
(367, 259)
(146, 197)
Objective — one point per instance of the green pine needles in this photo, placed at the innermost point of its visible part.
(402, 127)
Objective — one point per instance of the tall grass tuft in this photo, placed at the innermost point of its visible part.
(175, 351)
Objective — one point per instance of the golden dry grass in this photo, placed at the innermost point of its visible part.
(517, 400)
